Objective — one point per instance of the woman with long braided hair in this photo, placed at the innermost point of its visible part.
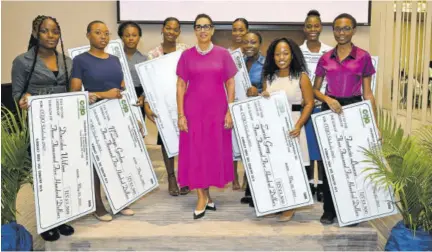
(42, 70)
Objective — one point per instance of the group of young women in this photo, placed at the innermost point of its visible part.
(205, 87)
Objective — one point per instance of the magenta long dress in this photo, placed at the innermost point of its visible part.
(205, 151)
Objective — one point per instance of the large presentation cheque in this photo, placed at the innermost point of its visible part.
(340, 138)
(242, 84)
(119, 153)
(272, 159)
(62, 168)
(115, 47)
(158, 78)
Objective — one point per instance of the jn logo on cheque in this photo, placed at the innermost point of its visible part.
(82, 107)
(366, 116)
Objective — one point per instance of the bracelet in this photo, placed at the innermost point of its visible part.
(181, 115)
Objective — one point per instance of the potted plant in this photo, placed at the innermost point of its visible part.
(404, 163)
(15, 172)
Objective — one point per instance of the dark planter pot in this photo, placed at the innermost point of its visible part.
(402, 239)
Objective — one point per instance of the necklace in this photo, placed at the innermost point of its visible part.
(204, 52)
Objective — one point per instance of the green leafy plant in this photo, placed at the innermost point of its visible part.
(15, 160)
(404, 163)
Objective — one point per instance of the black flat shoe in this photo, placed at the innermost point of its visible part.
(51, 235)
(246, 200)
(353, 225)
(327, 218)
(211, 206)
(66, 230)
(251, 204)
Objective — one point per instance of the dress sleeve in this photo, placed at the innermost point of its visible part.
(320, 70)
(182, 70)
(76, 69)
(120, 66)
(230, 68)
(368, 66)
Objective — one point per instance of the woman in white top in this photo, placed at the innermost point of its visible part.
(240, 26)
(285, 69)
(170, 31)
(312, 50)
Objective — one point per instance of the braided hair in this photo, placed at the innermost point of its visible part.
(34, 45)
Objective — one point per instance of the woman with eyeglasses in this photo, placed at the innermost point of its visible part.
(313, 49)
(205, 80)
(240, 27)
(285, 70)
(171, 31)
(101, 74)
(348, 71)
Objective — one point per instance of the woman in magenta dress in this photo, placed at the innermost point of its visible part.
(205, 81)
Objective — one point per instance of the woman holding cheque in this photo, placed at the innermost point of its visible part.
(285, 70)
(240, 27)
(254, 62)
(348, 70)
(205, 79)
(39, 71)
(313, 49)
(102, 75)
(170, 32)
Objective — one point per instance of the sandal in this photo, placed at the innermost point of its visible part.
(127, 211)
(105, 217)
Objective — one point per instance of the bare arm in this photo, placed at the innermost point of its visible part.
(333, 104)
(75, 85)
(308, 98)
(264, 85)
(181, 90)
(114, 93)
(230, 88)
(317, 88)
(264, 92)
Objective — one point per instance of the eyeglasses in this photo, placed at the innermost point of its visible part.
(203, 27)
(343, 29)
(99, 33)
